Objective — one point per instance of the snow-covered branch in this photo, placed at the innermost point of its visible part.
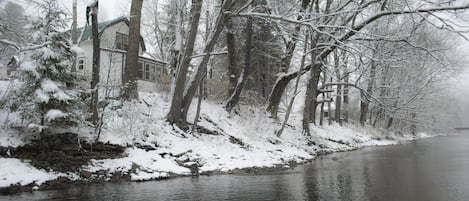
(211, 54)
(367, 95)
(10, 43)
(25, 48)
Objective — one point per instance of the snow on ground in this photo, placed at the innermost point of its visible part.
(151, 165)
(232, 141)
(228, 142)
(13, 171)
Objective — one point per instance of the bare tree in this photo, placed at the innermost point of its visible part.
(231, 48)
(338, 97)
(92, 10)
(364, 103)
(175, 115)
(295, 91)
(290, 45)
(234, 98)
(344, 28)
(74, 31)
(202, 67)
(130, 87)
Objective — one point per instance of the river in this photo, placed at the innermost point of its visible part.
(432, 169)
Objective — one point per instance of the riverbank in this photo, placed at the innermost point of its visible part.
(137, 144)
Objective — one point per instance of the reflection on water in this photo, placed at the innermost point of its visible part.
(429, 169)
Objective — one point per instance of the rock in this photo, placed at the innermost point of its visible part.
(145, 147)
(85, 174)
(194, 167)
(239, 142)
(274, 141)
(134, 168)
(183, 153)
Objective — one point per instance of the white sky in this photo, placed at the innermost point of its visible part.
(108, 9)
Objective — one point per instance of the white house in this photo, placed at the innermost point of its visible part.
(114, 37)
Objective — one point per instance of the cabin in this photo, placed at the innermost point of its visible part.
(114, 35)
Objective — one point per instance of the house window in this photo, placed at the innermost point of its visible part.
(122, 41)
(81, 64)
(153, 71)
(140, 70)
(161, 69)
(147, 71)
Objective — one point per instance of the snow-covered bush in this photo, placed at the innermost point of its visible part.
(44, 94)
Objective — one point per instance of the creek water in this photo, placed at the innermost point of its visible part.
(432, 169)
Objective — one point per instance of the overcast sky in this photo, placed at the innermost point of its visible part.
(108, 9)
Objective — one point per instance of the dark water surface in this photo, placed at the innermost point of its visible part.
(433, 169)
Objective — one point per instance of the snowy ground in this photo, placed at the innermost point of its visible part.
(234, 142)
(14, 171)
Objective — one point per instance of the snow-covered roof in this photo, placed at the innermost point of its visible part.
(87, 33)
(146, 55)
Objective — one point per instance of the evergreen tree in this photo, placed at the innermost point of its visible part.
(44, 93)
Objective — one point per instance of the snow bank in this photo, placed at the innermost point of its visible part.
(227, 142)
(54, 114)
(147, 164)
(13, 171)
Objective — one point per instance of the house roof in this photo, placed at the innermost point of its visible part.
(86, 35)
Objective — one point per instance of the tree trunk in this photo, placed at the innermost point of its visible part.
(199, 106)
(130, 86)
(364, 103)
(338, 105)
(96, 61)
(338, 99)
(309, 112)
(74, 33)
(246, 71)
(202, 68)
(363, 111)
(321, 116)
(178, 32)
(384, 82)
(413, 125)
(231, 47)
(280, 86)
(295, 91)
(389, 122)
(329, 104)
(345, 94)
(175, 115)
